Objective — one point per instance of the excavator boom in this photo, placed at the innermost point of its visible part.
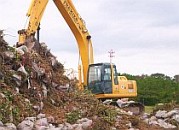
(77, 26)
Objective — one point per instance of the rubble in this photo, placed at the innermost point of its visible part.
(40, 122)
(164, 119)
(160, 114)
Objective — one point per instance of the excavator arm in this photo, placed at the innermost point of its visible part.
(74, 21)
(77, 26)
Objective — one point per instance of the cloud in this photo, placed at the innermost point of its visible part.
(133, 18)
(137, 30)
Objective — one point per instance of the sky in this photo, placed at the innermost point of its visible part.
(144, 34)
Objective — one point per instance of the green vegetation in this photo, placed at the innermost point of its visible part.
(149, 109)
(156, 88)
(73, 116)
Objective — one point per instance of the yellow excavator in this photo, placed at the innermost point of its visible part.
(101, 78)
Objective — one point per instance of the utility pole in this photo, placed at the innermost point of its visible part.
(111, 55)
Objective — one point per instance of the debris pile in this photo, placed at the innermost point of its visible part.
(167, 119)
(35, 94)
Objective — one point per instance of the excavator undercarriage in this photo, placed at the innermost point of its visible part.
(136, 108)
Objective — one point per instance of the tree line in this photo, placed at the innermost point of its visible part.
(156, 88)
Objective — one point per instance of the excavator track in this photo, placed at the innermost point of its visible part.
(136, 108)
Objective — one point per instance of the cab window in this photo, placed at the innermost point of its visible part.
(107, 74)
(94, 74)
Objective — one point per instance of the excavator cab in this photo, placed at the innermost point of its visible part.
(104, 82)
(100, 78)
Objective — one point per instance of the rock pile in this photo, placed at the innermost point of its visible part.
(165, 119)
(44, 123)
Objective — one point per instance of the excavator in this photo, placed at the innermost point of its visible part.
(101, 78)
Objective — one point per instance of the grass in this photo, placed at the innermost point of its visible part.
(149, 109)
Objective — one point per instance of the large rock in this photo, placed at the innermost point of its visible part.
(41, 122)
(26, 125)
(160, 114)
(170, 114)
(176, 117)
(165, 125)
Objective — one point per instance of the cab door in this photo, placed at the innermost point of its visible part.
(95, 79)
(107, 79)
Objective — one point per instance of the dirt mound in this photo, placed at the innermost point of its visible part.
(33, 82)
